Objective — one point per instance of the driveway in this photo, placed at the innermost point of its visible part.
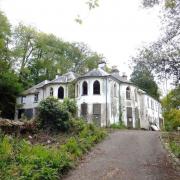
(126, 155)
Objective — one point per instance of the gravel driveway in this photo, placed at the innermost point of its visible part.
(126, 155)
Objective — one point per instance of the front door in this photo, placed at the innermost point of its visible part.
(129, 117)
(84, 110)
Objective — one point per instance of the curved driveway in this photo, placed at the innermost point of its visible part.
(126, 155)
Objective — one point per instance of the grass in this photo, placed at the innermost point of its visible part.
(19, 159)
(119, 125)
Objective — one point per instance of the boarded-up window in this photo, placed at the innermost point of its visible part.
(129, 112)
(84, 109)
(96, 109)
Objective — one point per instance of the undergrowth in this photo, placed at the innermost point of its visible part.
(19, 159)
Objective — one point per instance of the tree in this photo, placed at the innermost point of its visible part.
(162, 56)
(143, 78)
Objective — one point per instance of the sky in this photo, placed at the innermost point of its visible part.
(116, 29)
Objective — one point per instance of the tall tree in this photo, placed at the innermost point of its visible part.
(163, 55)
(142, 77)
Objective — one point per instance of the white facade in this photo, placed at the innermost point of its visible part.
(101, 98)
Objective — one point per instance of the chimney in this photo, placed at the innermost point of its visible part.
(115, 70)
(124, 76)
(102, 65)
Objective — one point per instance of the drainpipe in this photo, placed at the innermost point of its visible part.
(106, 102)
(120, 115)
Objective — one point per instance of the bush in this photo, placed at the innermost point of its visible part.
(70, 106)
(53, 115)
(172, 119)
(175, 147)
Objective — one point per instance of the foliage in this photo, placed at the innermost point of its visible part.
(162, 56)
(143, 78)
(119, 125)
(171, 111)
(53, 114)
(21, 160)
(70, 106)
(172, 119)
(175, 147)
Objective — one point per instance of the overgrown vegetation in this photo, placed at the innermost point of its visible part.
(171, 111)
(21, 160)
(119, 125)
(175, 147)
(55, 115)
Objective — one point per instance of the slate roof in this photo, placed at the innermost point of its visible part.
(120, 78)
(96, 73)
(65, 78)
(33, 89)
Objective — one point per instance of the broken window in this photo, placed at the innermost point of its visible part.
(61, 93)
(51, 91)
(84, 88)
(96, 87)
(128, 93)
(96, 109)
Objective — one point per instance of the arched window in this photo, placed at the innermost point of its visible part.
(96, 87)
(51, 91)
(84, 88)
(128, 93)
(61, 93)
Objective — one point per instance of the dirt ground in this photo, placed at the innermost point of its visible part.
(127, 155)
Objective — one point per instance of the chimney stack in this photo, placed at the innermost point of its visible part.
(124, 76)
(102, 65)
(115, 70)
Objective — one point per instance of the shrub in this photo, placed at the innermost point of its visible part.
(53, 114)
(70, 106)
(175, 147)
(172, 119)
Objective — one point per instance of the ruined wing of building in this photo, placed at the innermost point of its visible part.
(102, 98)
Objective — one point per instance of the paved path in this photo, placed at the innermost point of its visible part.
(126, 155)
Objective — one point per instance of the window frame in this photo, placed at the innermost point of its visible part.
(99, 88)
(59, 92)
(84, 88)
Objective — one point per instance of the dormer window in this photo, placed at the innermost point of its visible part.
(51, 92)
(128, 93)
(96, 87)
(84, 88)
(36, 97)
(61, 92)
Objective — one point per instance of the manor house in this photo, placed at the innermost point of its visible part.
(103, 98)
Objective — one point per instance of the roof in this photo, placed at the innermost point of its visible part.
(33, 89)
(120, 78)
(96, 73)
(65, 78)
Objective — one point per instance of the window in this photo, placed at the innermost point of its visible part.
(61, 93)
(23, 99)
(84, 109)
(148, 102)
(36, 97)
(115, 90)
(96, 109)
(96, 87)
(128, 93)
(77, 90)
(135, 94)
(51, 91)
(84, 88)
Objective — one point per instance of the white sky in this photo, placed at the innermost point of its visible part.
(115, 29)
